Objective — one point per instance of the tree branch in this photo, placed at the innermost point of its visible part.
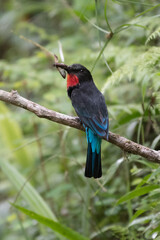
(126, 145)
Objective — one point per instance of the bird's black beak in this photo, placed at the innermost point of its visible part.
(61, 68)
(61, 65)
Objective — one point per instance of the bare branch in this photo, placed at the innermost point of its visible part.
(126, 145)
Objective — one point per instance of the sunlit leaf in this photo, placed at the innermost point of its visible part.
(11, 136)
(136, 193)
(137, 214)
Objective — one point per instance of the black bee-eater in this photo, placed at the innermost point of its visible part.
(89, 104)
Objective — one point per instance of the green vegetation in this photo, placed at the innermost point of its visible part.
(42, 163)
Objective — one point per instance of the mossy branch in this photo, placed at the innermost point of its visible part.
(125, 144)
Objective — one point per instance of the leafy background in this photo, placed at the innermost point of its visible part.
(42, 163)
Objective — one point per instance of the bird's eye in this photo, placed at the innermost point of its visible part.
(81, 70)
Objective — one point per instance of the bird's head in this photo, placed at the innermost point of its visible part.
(76, 74)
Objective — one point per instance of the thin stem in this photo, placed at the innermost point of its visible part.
(94, 25)
(126, 2)
(100, 44)
(101, 52)
(148, 10)
(105, 14)
(39, 145)
(121, 28)
(139, 130)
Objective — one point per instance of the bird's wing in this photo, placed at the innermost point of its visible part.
(93, 113)
(98, 126)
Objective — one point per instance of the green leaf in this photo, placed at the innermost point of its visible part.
(155, 142)
(125, 114)
(144, 162)
(57, 227)
(136, 193)
(144, 180)
(142, 220)
(112, 170)
(137, 213)
(154, 174)
(12, 137)
(26, 190)
(157, 229)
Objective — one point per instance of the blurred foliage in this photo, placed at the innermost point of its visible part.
(42, 163)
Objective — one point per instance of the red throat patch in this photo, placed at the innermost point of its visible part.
(72, 80)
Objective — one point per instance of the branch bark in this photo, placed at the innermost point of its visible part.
(126, 145)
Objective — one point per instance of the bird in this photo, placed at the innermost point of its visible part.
(89, 104)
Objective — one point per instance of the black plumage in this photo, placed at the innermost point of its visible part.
(89, 104)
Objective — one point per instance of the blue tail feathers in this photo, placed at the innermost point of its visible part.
(93, 162)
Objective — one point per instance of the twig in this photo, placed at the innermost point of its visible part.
(126, 145)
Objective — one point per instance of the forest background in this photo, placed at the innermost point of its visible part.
(42, 163)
